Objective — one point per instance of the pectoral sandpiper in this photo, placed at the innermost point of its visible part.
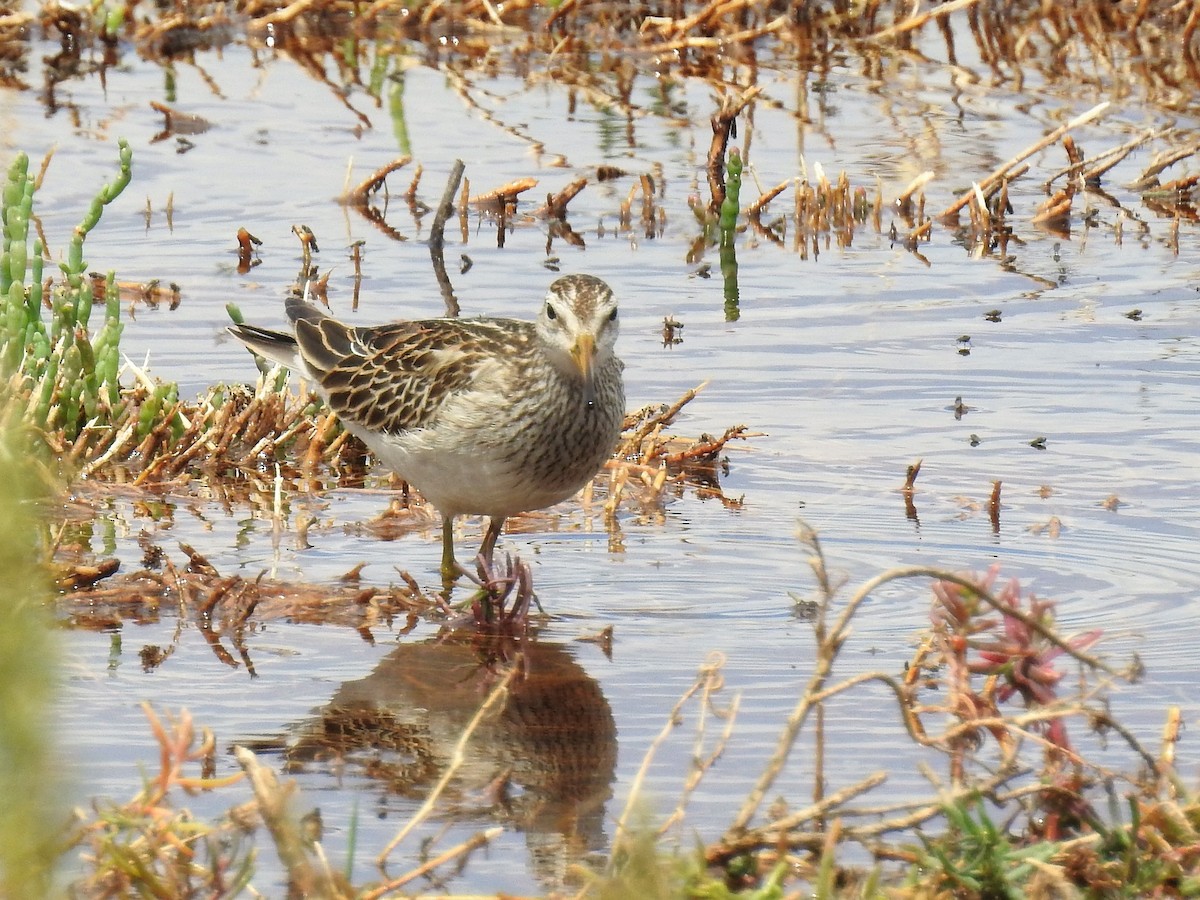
(484, 416)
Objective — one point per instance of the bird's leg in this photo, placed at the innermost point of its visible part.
(497, 585)
(493, 588)
(495, 525)
(450, 570)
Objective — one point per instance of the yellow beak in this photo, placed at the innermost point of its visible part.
(584, 355)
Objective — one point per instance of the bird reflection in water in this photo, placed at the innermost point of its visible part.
(543, 765)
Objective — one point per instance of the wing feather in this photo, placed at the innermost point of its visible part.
(397, 377)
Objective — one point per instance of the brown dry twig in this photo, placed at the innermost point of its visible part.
(644, 421)
(726, 38)
(723, 121)
(1179, 186)
(916, 21)
(830, 638)
(708, 681)
(505, 194)
(754, 210)
(1055, 210)
(1005, 169)
(703, 449)
(81, 576)
(246, 249)
(555, 206)
(1149, 177)
(227, 601)
(465, 848)
(308, 872)
(286, 13)
(360, 195)
(497, 697)
(1090, 169)
(177, 122)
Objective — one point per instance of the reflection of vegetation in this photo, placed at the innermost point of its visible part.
(396, 108)
(729, 270)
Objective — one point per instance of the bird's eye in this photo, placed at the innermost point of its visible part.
(550, 313)
(612, 316)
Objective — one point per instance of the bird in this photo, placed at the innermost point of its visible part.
(483, 416)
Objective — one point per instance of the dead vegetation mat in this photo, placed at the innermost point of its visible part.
(244, 448)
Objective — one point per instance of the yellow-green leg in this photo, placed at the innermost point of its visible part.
(449, 564)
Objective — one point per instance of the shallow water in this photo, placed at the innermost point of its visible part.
(849, 362)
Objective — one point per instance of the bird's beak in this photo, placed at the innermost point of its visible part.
(584, 355)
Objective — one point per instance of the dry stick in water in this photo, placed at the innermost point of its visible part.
(273, 804)
(471, 843)
(1046, 141)
(914, 22)
(722, 126)
(498, 695)
(709, 679)
(179, 122)
(703, 449)
(289, 12)
(556, 204)
(410, 196)
(505, 194)
(756, 208)
(1056, 207)
(362, 193)
(778, 829)
(116, 447)
(1149, 176)
(769, 836)
(827, 650)
(680, 26)
(829, 645)
(937, 808)
(779, 23)
(1170, 739)
(701, 763)
(668, 415)
(904, 202)
(437, 238)
(1097, 165)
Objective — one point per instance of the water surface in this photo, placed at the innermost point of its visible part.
(849, 361)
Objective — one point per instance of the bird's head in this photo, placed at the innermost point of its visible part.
(578, 325)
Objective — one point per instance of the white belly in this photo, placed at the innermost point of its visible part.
(484, 456)
(479, 481)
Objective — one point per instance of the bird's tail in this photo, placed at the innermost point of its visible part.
(274, 345)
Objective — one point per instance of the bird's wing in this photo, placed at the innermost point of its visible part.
(392, 378)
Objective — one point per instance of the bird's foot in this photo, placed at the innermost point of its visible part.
(505, 592)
